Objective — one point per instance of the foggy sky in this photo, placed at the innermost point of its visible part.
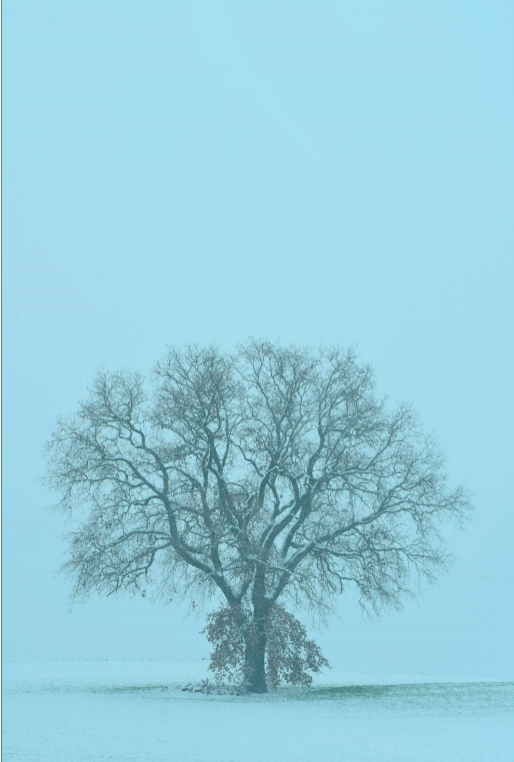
(303, 171)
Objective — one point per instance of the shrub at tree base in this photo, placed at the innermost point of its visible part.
(290, 655)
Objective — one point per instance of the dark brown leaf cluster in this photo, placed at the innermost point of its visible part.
(290, 656)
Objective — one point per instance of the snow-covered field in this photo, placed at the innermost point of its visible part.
(73, 711)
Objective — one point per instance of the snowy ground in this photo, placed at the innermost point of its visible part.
(76, 711)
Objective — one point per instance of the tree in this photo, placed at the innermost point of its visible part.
(267, 474)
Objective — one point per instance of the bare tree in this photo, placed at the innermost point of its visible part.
(264, 474)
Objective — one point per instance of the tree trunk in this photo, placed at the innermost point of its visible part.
(255, 658)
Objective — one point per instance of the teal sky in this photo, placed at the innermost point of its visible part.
(306, 171)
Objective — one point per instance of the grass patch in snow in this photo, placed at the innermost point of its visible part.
(129, 689)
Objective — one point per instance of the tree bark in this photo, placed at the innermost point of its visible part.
(255, 658)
